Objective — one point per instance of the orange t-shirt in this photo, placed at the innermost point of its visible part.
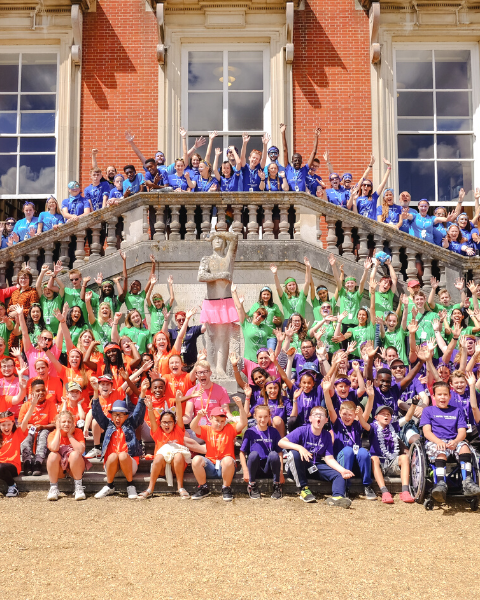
(107, 403)
(6, 403)
(118, 444)
(44, 414)
(161, 438)
(180, 382)
(219, 443)
(158, 407)
(163, 367)
(70, 374)
(64, 441)
(8, 390)
(71, 409)
(10, 448)
(117, 380)
(53, 386)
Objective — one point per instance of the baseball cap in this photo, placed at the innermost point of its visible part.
(73, 385)
(119, 406)
(413, 283)
(397, 361)
(380, 408)
(106, 377)
(216, 412)
(309, 366)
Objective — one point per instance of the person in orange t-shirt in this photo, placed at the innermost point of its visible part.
(162, 345)
(171, 430)
(73, 403)
(42, 421)
(11, 438)
(53, 385)
(66, 445)
(177, 380)
(13, 402)
(76, 371)
(219, 462)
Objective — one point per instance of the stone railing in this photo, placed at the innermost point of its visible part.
(268, 216)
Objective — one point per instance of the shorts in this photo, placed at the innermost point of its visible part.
(211, 471)
(432, 450)
(391, 468)
(134, 466)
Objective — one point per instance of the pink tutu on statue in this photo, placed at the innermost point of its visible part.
(218, 311)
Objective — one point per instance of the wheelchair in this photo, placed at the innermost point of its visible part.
(423, 477)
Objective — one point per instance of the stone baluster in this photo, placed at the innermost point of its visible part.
(252, 226)
(17, 265)
(48, 256)
(95, 247)
(146, 223)
(412, 272)
(378, 240)
(284, 225)
(64, 258)
(159, 223)
(268, 222)
(427, 273)
(396, 263)
(175, 223)
(111, 236)
(3, 274)
(32, 261)
(221, 222)
(363, 251)
(332, 239)
(190, 226)
(205, 225)
(79, 250)
(237, 225)
(347, 244)
(296, 226)
(443, 276)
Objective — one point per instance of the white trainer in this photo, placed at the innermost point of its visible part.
(53, 493)
(105, 491)
(132, 492)
(94, 453)
(79, 491)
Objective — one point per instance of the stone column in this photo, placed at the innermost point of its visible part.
(363, 248)
(190, 226)
(221, 223)
(17, 265)
(3, 277)
(332, 240)
(205, 226)
(64, 258)
(95, 247)
(175, 223)
(252, 227)
(268, 223)
(48, 257)
(347, 245)
(296, 226)
(111, 236)
(284, 225)
(427, 273)
(237, 225)
(80, 250)
(412, 272)
(159, 234)
(396, 263)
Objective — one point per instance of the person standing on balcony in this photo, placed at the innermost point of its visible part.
(154, 179)
(275, 181)
(134, 182)
(230, 176)
(180, 180)
(75, 205)
(296, 174)
(389, 212)
(256, 163)
(273, 154)
(366, 204)
(421, 224)
(97, 191)
(27, 227)
(110, 171)
(205, 181)
(51, 218)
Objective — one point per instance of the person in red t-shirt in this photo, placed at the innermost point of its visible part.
(66, 445)
(11, 438)
(219, 462)
(171, 433)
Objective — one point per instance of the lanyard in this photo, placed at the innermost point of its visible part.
(317, 447)
(208, 399)
(351, 436)
(204, 183)
(8, 389)
(264, 440)
(253, 173)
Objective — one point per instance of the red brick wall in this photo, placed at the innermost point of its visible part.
(119, 84)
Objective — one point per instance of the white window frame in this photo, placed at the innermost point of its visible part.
(45, 49)
(475, 67)
(200, 47)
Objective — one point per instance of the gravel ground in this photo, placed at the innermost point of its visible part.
(170, 549)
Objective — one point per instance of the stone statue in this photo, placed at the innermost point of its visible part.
(218, 309)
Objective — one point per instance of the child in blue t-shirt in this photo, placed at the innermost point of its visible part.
(98, 191)
(256, 162)
(229, 177)
(366, 204)
(51, 218)
(116, 193)
(134, 182)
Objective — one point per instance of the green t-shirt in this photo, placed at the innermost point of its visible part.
(397, 340)
(273, 311)
(75, 332)
(362, 334)
(140, 337)
(5, 334)
(255, 337)
(114, 304)
(449, 309)
(37, 330)
(465, 331)
(350, 302)
(327, 336)
(102, 333)
(48, 306)
(136, 301)
(157, 318)
(316, 304)
(383, 302)
(425, 327)
(72, 297)
(295, 304)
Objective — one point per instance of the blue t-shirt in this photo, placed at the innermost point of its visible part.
(22, 227)
(262, 442)
(50, 220)
(422, 227)
(76, 205)
(178, 182)
(95, 193)
(273, 185)
(251, 178)
(457, 247)
(318, 445)
(439, 232)
(406, 223)
(203, 185)
(150, 177)
(475, 245)
(230, 184)
(193, 172)
(338, 197)
(114, 193)
(313, 181)
(165, 170)
(297, 178)
(367, 207)
(133, 186)
(394, 213)
(445, 422)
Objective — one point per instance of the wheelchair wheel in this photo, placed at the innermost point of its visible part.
(429, 504)
(418, 471)
(475, 465)
(473, 503)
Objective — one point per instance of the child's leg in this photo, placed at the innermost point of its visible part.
(26, 448)
(76, 464)
(404, 464)
(41, 447)
(273, 462)
(54, 468)
(97, 432)
(228, 470)
(346, 458)
(365, 465)
(88, 422)
(339, 484)
(298, 468)
(125, 461)
(198, 468)
(7, 473)
(111, 467)
(158, 469)
(179, 468)
(465, 461)
(279, 425)
(194, 446)
(377, 472)
(253, 462)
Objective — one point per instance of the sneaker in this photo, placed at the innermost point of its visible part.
(387, 498)
(307, 496)
(253, 491)
(27, 468)
(277, 491)
(406, 497)
(439, 492)
(53, 493)
(12, 491)
(131, 492)
(146, 494)
(339, 501)
(80, 492)
(202, 492)
(37, 469)
(369, 493)
(470, 488)
(94, 453)
(105, 491)
(227, 494)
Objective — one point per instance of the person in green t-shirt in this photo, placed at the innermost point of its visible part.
(459, 320)
(101, 327)
(387, 288)
(6, 327)
(394, 335)
(255, 335)
(136, 330)
(349, 297)
(274, 314)
(107, 292)
(75, 324)
(35, 322)
(328, 327)
(423, 319)
(321, 297)
(292, 298)
(49, 300)
(365, 329)
(156, 306)
(135, 297)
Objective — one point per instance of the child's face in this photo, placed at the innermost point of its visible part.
(362, 317)
(384, 382)
(39, 393)
(342, 389)
(291, 287)
(6, 427)
(272, 390)
(318, 418)
(175, 364)
(119, 183)
(350, 285)
(322, 295)
(136, 318)
(459, 384)
(96, 178)
(118, 418)
(347, 415)
(391, 322)
(262, 415)
(66, 423)
(354, 381)
(167, 423)
(444, 372)
(74, 396)
(384, 417)
(74, 360)
(384, 285)
(391, 355)
(307, 383)
(445, 298)
(218, 423)
(87, 338)
(105, 388)
(158, 303)
(135, 287)
(442, 397)
(419, 301)
(158, 389)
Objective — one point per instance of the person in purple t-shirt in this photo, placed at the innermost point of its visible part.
(311, 457)
(366, 204)
(296, 174)
(445, 430)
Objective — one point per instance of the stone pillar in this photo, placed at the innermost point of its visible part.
(95, 247)
(427, 273)
(80, 249)
(175, 223)
(378, 239)
(159, 223)
(3, 278)
(347, 245)
(205, 226)
(146, 224)
(221, 223)
(111, 236)
(237, 225)
(190, 226)
(17, 265)
(296, 227)
(268, 223)
(252, 227)
(443, 277)
(363, 248)
(396, 264)
(332, 245)
(412, 272)
(32, 262)
(48, 259)
(64, 258)
(284, 226)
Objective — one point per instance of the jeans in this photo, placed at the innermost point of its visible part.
(298, 468)
(269, 465)
(41, 449)
(347, 458)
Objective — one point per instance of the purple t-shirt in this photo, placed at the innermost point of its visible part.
(346, 436)
(462, 401)
(445, 422)
(388, 435)
(318, 445)
(299, 360)
(337, 401)
(262, 442)
(389, 398)
(305, 402)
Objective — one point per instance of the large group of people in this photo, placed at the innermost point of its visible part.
(260, 171)
(344, 395)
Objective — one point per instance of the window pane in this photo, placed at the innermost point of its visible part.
(37, 102)
(39, 73)
(205, 111)
(245, 70)
(414, 70)
(37, 123)
(415, 104)
(205, 69)
(255, 143)
(8, 122)
(37, 175)
(454, 146)
(451, 177)
(9, 72)
(452, 69)
(406, 124)
(245, 111)
(419, 178)
(454, 104)
(218, 142)
(447, 124)
(36, 144)
(8, 102)
(8, 144)
(8, 174)
(416, 146)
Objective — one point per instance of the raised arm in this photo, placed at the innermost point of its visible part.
(243, 153)
(181, 334)
(315, 146)
(383, 183)
(327, 394)
(263, 160)
(216, 173)
(273, 269)
(88, 303)
(308, 275)
(129, 137)
(208, 153)
(284, 143)
(39, 284)
(27, 342)
(333, 263)
(366, 172)
(238, 305)
(122, 291)
(366, 266)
